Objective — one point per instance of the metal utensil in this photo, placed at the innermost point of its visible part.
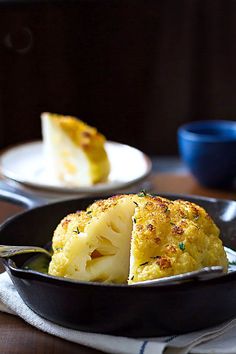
(9, 251)
(201, 274)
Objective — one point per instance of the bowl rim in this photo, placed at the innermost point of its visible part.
(184, 131)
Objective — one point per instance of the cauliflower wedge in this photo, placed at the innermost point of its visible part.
(74, 152)
(133, 238)
(94, 245)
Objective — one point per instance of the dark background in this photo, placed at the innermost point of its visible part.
(135, 69)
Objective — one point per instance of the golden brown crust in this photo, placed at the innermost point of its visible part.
(81, 133)
(172, 237)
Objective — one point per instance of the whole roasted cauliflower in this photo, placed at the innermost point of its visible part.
(135, 238)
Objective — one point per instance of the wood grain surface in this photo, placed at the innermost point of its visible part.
(17, 337)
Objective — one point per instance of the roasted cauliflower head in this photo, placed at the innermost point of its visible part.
(135, 238)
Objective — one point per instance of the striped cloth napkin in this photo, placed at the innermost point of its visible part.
(218, 340)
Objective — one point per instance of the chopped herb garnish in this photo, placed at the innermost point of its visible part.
(166, 210)
(58, 248)
(155, 257)
(132, 277)
(89, 212)
(182, 246)
(134, 220)
(143, 264)
(172, 223)
(232, 263)
(142, 194)
(136, 204)
(77, 230)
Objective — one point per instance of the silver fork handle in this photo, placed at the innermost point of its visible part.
(9, 251)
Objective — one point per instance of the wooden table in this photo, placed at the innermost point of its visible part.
(17, 337)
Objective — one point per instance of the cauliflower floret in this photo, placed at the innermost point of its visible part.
(74, 152)
(135, 238)
(95, 245)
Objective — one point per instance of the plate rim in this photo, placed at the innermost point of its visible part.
(97, 188)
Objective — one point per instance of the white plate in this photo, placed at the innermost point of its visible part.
(24, 164)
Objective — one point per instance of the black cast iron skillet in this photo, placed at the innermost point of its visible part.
(118, 309)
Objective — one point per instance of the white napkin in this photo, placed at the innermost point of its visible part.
(217, 340)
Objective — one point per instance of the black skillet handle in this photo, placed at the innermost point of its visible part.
(16, 196)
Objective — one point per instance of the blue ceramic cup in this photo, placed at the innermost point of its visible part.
(209, 150)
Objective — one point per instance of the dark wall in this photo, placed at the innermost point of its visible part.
(136, 69)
